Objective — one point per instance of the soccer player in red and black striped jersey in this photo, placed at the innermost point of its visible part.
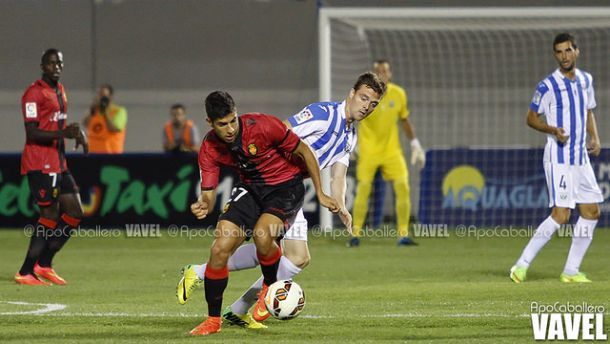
(266, 200)
(44, 106)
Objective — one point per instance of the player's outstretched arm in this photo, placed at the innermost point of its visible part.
(535, 122)
(594, 146)
(313, 168)
(338, 185)
(204, 204)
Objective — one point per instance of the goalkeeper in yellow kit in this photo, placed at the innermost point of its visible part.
(379, 148)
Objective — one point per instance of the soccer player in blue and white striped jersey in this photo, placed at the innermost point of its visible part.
(329, 129)
(566, 99)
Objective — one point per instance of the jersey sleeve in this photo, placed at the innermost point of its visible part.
(404, 105)
(312, 119)
(208, 168)
(30, 105)
(591, 104)
(280, 136)
(541, 99)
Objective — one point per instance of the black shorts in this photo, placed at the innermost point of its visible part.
(249, 202)
(46, 188)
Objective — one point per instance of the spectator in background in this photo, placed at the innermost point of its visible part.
(106, 123)
(179, 133)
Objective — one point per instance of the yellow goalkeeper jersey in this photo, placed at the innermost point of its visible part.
(378, 133)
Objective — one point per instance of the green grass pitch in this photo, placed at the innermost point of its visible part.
(445, 290)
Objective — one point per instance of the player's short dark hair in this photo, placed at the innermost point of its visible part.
(565, 37)
(108, 87)
(47, 55)
(371, 80)
(178, 106)
(219, 104)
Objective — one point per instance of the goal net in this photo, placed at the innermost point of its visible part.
(470, 74)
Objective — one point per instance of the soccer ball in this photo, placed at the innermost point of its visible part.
(285, 299)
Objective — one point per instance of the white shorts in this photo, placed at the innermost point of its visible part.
(298, 228)
(570, 185)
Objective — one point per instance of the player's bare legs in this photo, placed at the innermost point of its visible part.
(582, 237)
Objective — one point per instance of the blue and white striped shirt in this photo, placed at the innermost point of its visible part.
(324, 128)
(565, 104)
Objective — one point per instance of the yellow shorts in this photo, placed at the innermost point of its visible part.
(392, 168)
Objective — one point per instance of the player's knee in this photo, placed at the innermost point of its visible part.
(561, 215)
(300, 260)
(220, 255)
(591, 213)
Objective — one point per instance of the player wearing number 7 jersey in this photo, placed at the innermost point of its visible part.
(329, 129)
(271, 191)
(567, 99)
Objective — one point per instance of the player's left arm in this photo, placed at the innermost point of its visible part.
(594, 147)
(338, 185)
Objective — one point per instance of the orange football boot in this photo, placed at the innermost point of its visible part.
(260, 312)
(209, 326)
(29, 279)
(49, 274)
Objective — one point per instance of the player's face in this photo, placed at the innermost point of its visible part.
(383, 71)
(566, 55)
(226, 128)
(361, 103)
(53, 67)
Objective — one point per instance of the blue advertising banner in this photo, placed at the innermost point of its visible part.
(494, 187)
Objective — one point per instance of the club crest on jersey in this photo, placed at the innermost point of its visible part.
(55, 192)
(225, 208)
(392, 103)
(252, 149)
(303, 116)
(42, 193)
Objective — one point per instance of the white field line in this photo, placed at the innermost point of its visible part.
(55, 310)
(46, 308)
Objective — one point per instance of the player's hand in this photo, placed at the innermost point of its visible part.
(328, 202)
(81, 140)
(418, 155)
(594, 148)
(199, 209)
(561, 135)
(72, 131)
(346, 218)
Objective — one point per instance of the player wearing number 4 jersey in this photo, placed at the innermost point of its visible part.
(567, 99)
(268, 197)
(329, 129)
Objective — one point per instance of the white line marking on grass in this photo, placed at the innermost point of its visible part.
(48, 307)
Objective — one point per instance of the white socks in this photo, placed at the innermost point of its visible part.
(286, 270)
(581, 239)
(543, 234)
